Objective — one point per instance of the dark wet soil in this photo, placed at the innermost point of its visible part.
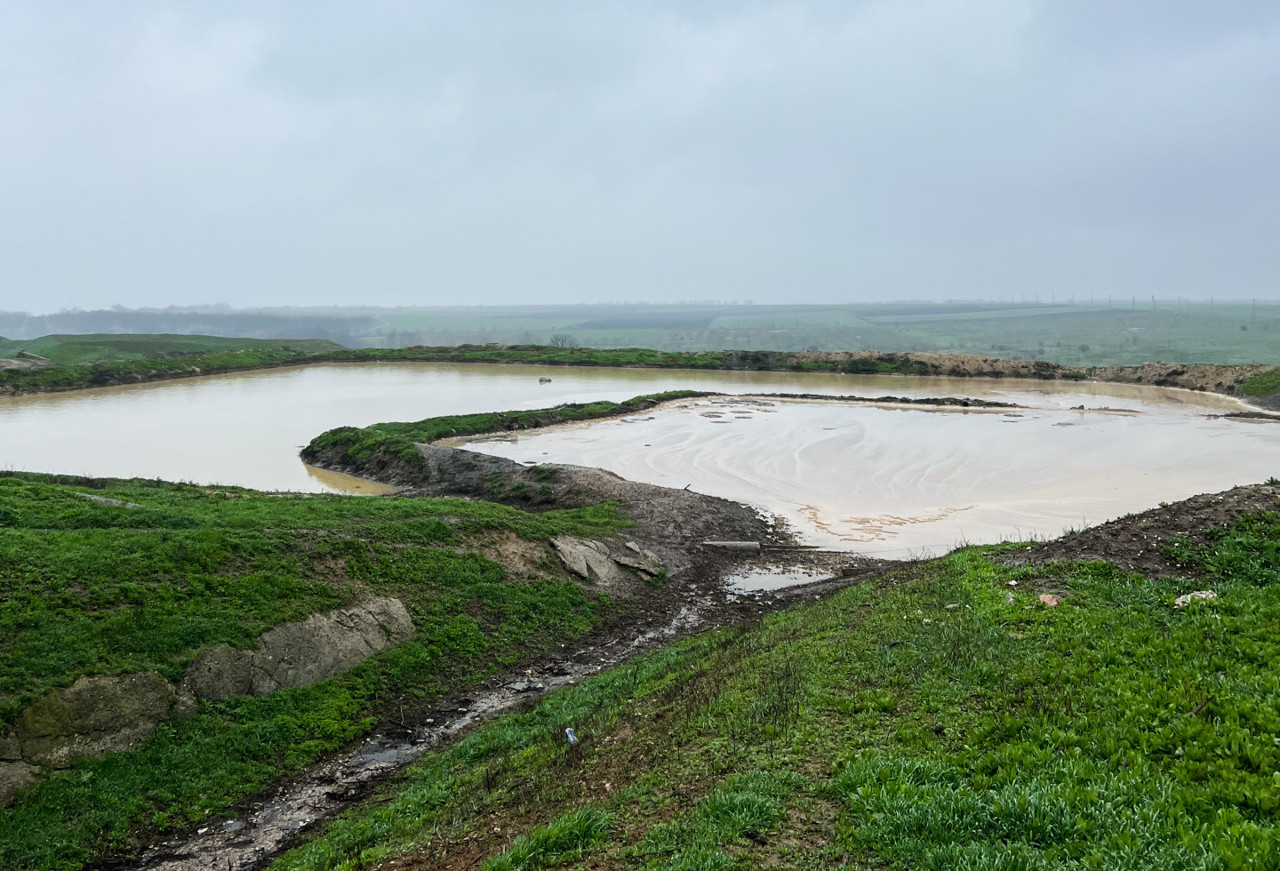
(288, 815)
(694, 597)
(1136, 543)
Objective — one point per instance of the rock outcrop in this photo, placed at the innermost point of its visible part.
(107, 713)
(605, 562)
(300, 654)
(92, 717)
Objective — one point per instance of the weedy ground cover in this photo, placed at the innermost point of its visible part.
(104, 577)
(70, 350)
(357, 446)
(1263, 384)
(924, 721)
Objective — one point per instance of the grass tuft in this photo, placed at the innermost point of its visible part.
(565, 838)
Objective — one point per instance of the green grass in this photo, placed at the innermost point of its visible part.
(880, 728)
(93, 588)
(70, 350)
(1263, 384)
(373, 447)
(564, 839)
(105, 374)
(1074, 366)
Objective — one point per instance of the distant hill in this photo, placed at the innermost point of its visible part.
(111, 348)
(1081, 332)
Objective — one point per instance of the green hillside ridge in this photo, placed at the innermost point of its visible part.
(16, 381)
(1068, 332)
(374, 448)
(95, 588)
(71, 350)
(921, 721)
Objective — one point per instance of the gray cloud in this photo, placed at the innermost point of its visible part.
(396, 153)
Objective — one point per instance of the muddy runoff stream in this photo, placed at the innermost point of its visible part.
(273, 824)
(290, 815)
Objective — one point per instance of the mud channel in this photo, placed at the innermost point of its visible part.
(289, 815)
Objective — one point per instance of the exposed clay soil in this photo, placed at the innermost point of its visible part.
(1197, 376)
(671, 523)
(1190, 376)
(1136, 543)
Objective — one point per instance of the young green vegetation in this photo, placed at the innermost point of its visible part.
(565, 838)
(104, 577)
(1263, 384)
(922, 721)
(112, 348)
(267, 355)
(376, 446)
(106, 374)
(256, 354)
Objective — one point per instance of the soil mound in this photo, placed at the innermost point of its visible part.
(1136, 542)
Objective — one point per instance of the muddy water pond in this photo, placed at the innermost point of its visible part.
(885, 481)
(246, 428)
(901, 481)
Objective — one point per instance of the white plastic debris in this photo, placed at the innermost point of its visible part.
(1203, 595)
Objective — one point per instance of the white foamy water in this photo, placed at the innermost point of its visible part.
(904, 481)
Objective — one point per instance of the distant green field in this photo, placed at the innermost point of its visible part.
(1085, 333)
(110, 348)
(1082, 332)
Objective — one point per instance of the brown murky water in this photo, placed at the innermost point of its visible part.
(247, 428)
(886, 481)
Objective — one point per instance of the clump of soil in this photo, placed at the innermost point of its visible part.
(1136, 542)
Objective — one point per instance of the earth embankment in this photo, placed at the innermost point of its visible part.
(1231, 380)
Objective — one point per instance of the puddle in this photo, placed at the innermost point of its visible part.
(768, 580)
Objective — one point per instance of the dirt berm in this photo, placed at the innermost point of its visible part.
(671, 523)
(1139, 542)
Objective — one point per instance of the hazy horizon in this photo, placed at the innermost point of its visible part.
(394, 154)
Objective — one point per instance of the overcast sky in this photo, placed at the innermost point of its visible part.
(458, 153)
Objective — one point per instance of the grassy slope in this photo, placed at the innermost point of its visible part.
(92, 588)
(880, 728)
(152, 369)
(105, 373)
(1263, 384)
(373, 447)
(72, 350)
